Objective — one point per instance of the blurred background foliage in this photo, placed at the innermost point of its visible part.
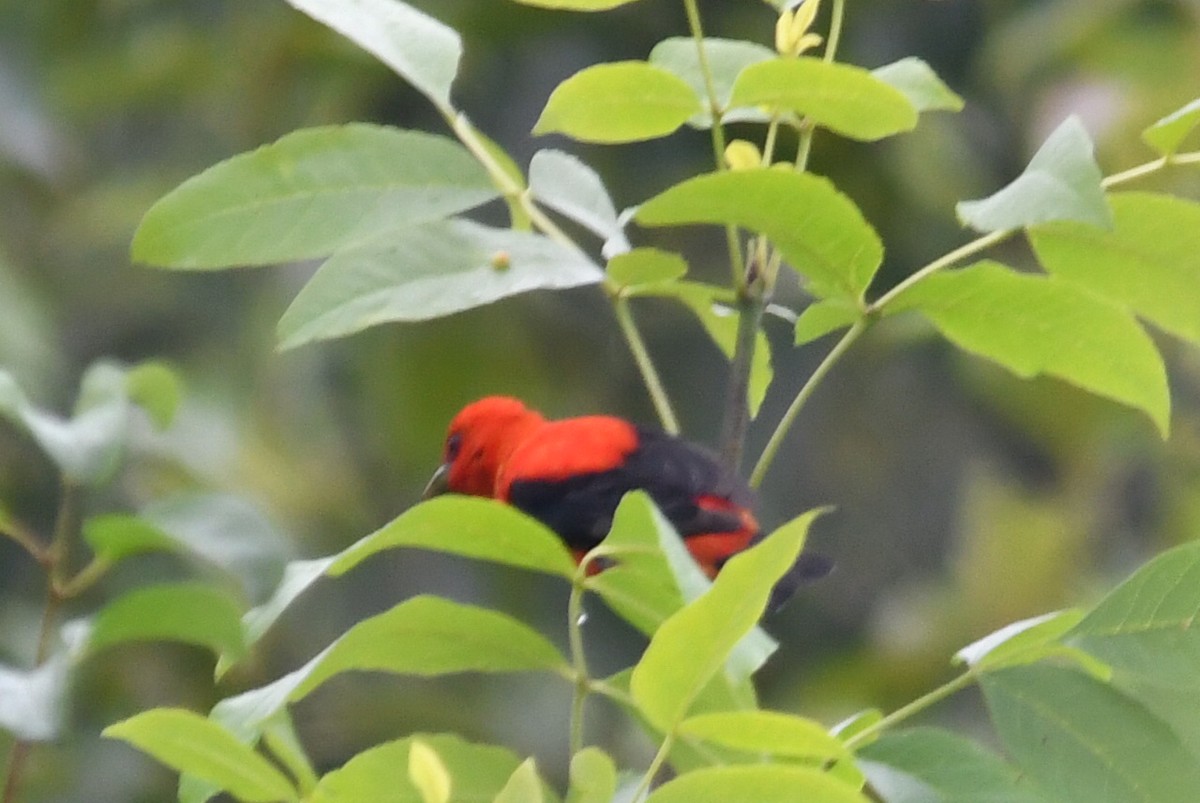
(965, 498)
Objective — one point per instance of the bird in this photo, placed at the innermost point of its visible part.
(570, 474)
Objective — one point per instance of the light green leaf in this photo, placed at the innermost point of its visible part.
(1149, 261)
(726, 58)
(621, 102)
(1082, 741)
(762, 783)
(427, 773)
(855, 724)
(843, 98)
(420, 49)
(571, 188)
(1147, 626)
(115, 536)
(820, 231)
(576, 5)
(308, 195)
(825, 317)
(1041, 325)
(929, 765)
(524, 785)
(920, 84)
(646, 266)
(189, 743)
(593, 777)
(770, 732)
(32, 703)
(193, 613)
(1020, 642)
(1166, 135)
(691, 646)
(481, 529)
(156, 389)
(1062, 182)
(414, 274)
(479, 771)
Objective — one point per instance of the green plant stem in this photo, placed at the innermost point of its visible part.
(654, 386)
(941, 263)
(655, 765)
(582, 684)
(737, 409)
(835, 30)
(56, 558)
(25, 539)
(915, 707)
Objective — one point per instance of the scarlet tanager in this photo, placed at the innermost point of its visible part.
(571, 474)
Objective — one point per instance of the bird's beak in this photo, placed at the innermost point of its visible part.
(439, 483)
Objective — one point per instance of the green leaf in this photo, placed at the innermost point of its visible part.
(479, 771)
(855, 724)
(1081, 740)
(593, 777)
(297, 577)
(576, 5)
(481, 529)
(32, 703)
(1041, 325)
(843, 98)
(194, 613)
(646, 266)
(825, 317)
(189, 743)
(420, 49)
(929, 765)
(763, 783)
(725, 58)
(820, 231)
(920, 84)
(1020, 642)
(524, 785)
(769, 732)
(691, 646)
(116, 536)
(427, 773)
(1147, 262)
(1168, 134)
(308, 195)
(571, 188)
(156, 389)
(625, 101)
(424, 272)
(1062, 182)
(1147, 626)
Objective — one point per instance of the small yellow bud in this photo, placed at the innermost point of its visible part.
(501, 261)
(742, 155)
(791, 29)
(783, 32)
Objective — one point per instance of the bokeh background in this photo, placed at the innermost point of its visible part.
(965, 499)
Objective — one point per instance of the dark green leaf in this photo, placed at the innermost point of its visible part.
(843, 98)
(1062, 182)
(819, 230)
(1083, 741)
(308, 195)
(423, 272)
(189, 743)
(763, 783)
(194, 613)
(1041, 325)
(920, 84)
(1149, 261)
(622, 102)
(1168, 134)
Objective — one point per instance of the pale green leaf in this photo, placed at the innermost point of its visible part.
(524, 785)
(156, 389)
(1020, 642)
(762, 783)
(646, 266)
(189, 743)
(920, 84)
(428, 271)
(825, 317)
(193, 613)
(770, 732)
(1149, 261)
(851, 726)
(571, 188)
(843, 98)
(725, 58)
(1062, 182)
(1041, 325)
(427, 773)
(308, 195)
(928, 765)
(819, 231)
(1082, 741)
(593, 777)
(1166, 135)
(620, 102)
(421, 50)
(691, 646)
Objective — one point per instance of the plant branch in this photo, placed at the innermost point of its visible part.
(941, 263)
(915, 707)
(24, 538)
(737, 409)
(582, 685)
(835, 30)
(658, 395)
(655, 765)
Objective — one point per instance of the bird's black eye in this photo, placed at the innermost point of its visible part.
(453, 444)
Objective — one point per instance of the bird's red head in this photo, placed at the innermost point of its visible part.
(478, 442)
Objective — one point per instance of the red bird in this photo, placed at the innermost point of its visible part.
(571, 474)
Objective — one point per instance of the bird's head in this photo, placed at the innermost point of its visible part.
(478, 442)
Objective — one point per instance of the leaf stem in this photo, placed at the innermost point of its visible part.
(655, 765)
(24, 538)
(737, 409)
(658, 395)
(910, 709)
(942, 262)
(582, 684)
(835, 30)
(1187, 158)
